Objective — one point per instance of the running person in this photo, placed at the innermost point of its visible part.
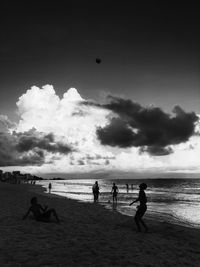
(141, 209)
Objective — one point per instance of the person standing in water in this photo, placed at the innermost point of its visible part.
(95, 191)
(127, 188)
(114, 192)
(50, 186)
(141, 209)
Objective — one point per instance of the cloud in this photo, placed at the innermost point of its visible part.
(10, 156)
(58, 134)
(149, 128)
(96, 159)
(5, 124)
(30, 140)
(156, 150)
(116, 133)
(28, 148)
(45, 111)
(69, 122)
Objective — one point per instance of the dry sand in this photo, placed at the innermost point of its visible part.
(88, 235)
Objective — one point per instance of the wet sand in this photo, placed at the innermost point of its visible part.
(88, 235)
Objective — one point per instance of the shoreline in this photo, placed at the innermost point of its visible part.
(151, 215)
(88, 235)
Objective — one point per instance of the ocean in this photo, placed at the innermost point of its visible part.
(169, 200)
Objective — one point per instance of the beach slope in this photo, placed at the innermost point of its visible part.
(88, 235)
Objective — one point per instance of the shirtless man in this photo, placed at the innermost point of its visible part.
(40, 213)
(141, 209)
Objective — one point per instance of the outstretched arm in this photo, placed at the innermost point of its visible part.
(137, 199)
(25, 216)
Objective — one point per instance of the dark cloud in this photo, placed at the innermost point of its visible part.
(81, 162)
(27, 141)
(28, 148)
(116, 133)
(149, 128)
(35, 157)
(156, 150)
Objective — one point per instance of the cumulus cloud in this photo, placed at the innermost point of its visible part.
(68, 120)
(47, 112)
(149, 128)
(71, 134)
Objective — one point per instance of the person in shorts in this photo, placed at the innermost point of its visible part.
(141, 209)
(40, 213)
(114, 192)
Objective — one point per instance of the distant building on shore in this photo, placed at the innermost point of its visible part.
(16, 177)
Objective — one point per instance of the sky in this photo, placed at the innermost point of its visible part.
(138, 110)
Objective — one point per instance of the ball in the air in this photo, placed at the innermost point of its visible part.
(98, 60)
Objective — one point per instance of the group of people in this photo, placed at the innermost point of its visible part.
(141, 209)
(44, 214)
(95, 191)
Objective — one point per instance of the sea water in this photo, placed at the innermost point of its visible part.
(170, 200)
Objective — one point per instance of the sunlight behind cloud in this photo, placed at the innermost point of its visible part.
(74, 124)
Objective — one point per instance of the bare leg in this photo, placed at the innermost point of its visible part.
(52, 211)
(145, 226)
(137, 223)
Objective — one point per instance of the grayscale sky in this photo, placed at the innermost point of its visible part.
(150, 63)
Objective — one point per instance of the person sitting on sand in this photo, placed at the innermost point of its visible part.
(40, 213)
(95, 190)
(141, 209)
(114, 192)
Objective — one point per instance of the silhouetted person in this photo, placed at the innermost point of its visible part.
(127, 188)
(40, 213)
(50, 186)
(141, 209)
(114, 192)
(95, 190)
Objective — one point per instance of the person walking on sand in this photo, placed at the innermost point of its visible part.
(95, 191)
(50, 186)
(114, 192)
(141, 209)
(40, 213)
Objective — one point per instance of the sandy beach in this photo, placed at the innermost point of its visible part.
(88, 235)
